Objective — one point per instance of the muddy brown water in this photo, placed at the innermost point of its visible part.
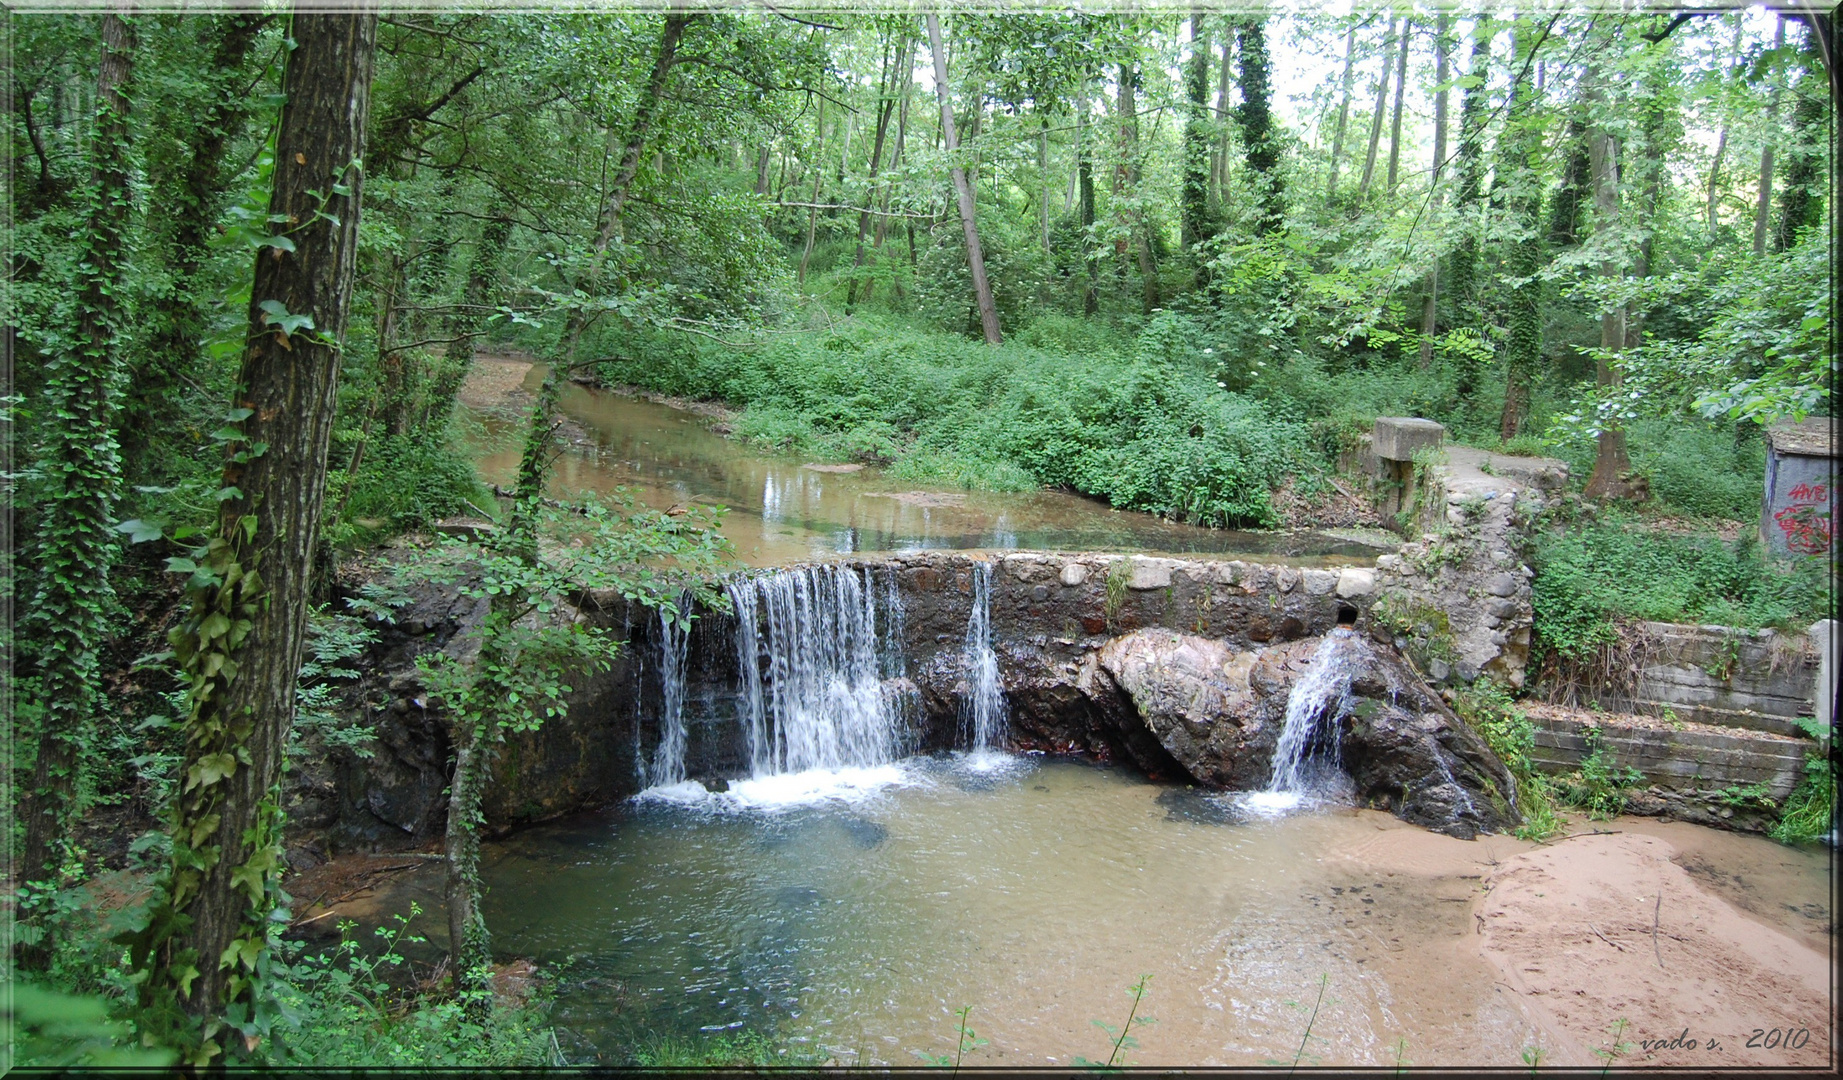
(783, 510)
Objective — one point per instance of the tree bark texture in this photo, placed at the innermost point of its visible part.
(83, 480)
(242, 645)
(963, 191)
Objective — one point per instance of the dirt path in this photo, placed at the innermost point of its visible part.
(1570, 927)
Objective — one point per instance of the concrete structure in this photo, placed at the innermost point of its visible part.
(1798, 514)
(1757, 680)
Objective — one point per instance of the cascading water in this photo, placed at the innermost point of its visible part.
(1306, 760)
(812, 672)
(669, 756)
(983, 714)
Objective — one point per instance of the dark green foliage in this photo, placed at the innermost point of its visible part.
(1594, 574)
(1810, 810)
(406, 482)
(1488, 708)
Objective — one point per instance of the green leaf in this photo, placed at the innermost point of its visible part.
(279, 242)
(178, 565)
(139, 532)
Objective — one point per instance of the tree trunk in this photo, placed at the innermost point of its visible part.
(1343, 113)
(1798, 208)
(1084, 168)
(1263, 154)
(1401, 85)
(886, 107)
(1469, 163)
(1043, 177)
(1194, 195)
(1762, 210)
(241, 645)
(1612, 466)
(812, 212)
(1219, 162)
(1721, 141)
(1430, 302)
(1375, 121)
(1522, 141)
(83, 477)
(963, 191)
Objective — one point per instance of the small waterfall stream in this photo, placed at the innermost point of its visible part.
(807, 644)
(1307, 759)
(983, 716)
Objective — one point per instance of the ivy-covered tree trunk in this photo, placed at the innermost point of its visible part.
(1470, 165)
(1763, 201)
(1430, 298)
(77, 542)
(963, 191)
(203, 951)
(1801, 200)
(1522, 141)
(191, 191)
(1194, 197)
(1084, 168)
(1612, 465)
(1262, 152)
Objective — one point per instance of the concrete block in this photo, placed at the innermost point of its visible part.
(1150, 573)
(1396, 438)
(1356, 582)
(1319, 582)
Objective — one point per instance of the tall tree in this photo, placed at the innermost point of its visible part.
(204, 949)
(963, 191)
(1343, 111)
(1401, 85)
(1262, 150)
(1194, 197)
(83, 474)
(1375, 121)
(1801, 198)
(1470, 166)
(1442, 45)
(1612, 465)
(1763, 203)
(1520, 145)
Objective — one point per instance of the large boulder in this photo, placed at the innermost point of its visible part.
(1193, 695)
(1218, 712)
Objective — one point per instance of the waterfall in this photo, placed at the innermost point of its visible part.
(669, 756)
(1306, 759)
(982, 712)
(812, 692)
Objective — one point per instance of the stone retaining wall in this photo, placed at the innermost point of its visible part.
(1754, 679)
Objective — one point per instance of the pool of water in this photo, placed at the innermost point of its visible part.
(783, 510)
(1037, 892)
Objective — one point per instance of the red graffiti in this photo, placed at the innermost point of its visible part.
(1807, 529)
(1809, 493)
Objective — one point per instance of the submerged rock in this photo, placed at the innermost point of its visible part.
(1218, 713)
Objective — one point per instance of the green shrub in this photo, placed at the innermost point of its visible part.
(1592, 575)
(1599, 785)
(405, 483)
(1811, 807)
(1488, 708)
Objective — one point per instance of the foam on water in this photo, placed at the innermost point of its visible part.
(786, 791)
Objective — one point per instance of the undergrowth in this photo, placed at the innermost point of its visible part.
(1487, 706)
(1594, 574)
(1811, 807)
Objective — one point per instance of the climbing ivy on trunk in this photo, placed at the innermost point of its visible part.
(205, 951)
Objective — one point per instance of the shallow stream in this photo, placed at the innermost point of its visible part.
(783, 510)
